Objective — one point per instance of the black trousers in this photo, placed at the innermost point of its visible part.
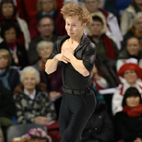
(75, 111)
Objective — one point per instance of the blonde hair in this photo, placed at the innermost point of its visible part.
(72, 9)
(39, 7)
(5, 53)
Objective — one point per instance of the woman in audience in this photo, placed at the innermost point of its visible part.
(132, 50)
(10, 33)
(8, 15)
(129, 120)
(134, 30)
(53, 81)
(131, 72)
(31, 100)
(9, 77)
(129, 15)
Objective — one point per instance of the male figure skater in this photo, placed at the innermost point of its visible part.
(77, 54)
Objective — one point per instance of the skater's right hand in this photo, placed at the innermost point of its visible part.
(61, 57)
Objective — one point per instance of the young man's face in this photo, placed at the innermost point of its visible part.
(96, 28)
(92, 5)
(74, 26)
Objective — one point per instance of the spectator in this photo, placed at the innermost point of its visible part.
(129, 15)
(7, 109)
(10, 33)
(132, 50)
(106, 52)
(9, 77)
(48, 7)
(53, 81)
(106, 48)
(132, 74)
(8, 15)
(111, 20)
(28, 97)
(129, 120)
(45, 28)
(135, 30)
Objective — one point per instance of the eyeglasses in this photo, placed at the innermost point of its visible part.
(91, 2)
(46, 25)
(96, 25)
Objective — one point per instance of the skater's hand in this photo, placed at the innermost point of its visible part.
(67, 52)
(61, 57)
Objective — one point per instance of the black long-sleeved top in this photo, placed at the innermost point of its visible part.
(85, 51)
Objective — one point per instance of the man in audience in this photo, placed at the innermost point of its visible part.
(45, 28)
(112, 23)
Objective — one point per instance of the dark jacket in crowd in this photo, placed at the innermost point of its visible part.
(99, 127)
(9, 78)
(7, 106)
(128, 128)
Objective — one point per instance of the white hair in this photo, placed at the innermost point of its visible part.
(30, 70)
(137, 17)
(43, 44)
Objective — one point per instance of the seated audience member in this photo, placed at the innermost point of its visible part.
(7, 109)
(99, 126)
(48, 7)
(131, 72)
(8, 15)
(132, 50)
(111, 20)
(105, 47)
(9, 33)
(135, 30)
(129, 15)
(9, 77)
(53, 81)
(129, 121)
(31, 100)
(45, 28)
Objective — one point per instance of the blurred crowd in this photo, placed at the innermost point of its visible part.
(28, 31)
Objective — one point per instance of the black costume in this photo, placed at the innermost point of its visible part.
(79, 100)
